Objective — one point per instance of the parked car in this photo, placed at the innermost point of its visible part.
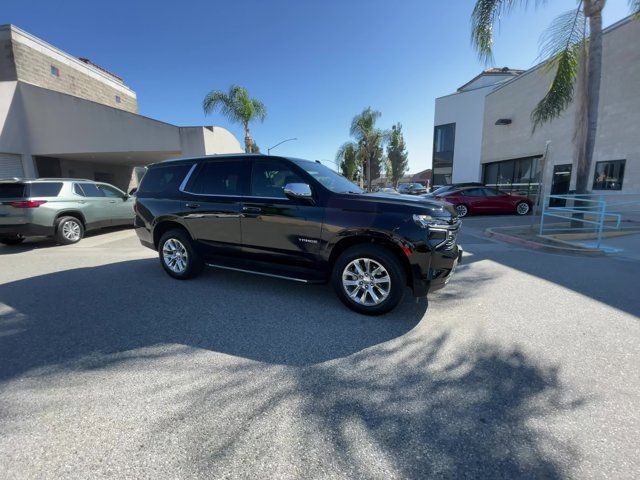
(474, 200)
(295, 219)
(60, 208)
(390, 190)
(447, 188)
(412, 188)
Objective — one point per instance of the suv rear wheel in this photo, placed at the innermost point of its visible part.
(368, 279)
(69, 230)
(178, 256)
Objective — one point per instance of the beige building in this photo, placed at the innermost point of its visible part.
(511, 152)
(62, 116)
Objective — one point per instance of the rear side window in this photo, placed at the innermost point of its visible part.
(12, 190)
(222, 178)
(163, 179)
(87, 190)
(51, 189)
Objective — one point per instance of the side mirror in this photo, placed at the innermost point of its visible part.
(298, 190)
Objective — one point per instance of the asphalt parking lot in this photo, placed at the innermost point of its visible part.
(525, 366)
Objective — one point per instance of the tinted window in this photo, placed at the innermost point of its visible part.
(608, 175)
(11, 190)
(89, 190)
(268, 178)
(473, 192)
(110, 191)
(221, 178)
(163, 179)
(45, 189)
(491, 192)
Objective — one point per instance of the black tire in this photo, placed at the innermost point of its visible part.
(521, 210)
(193, 260)
(383, 257)
(12, 240)
(64, 225)
(462, 210)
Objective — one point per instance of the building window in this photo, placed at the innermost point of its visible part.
(118, 99)
(519, 175)
(55, 71)
(608, 175)
(444, 139)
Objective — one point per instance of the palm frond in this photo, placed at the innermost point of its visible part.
(259, 109)
(565, 30)
(635, 8)
(486, 14)
(560, 94)
(236, 105)
(561, 44)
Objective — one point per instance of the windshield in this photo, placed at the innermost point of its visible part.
(441, 190)
(328, 178)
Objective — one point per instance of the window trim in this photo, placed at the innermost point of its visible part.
(623, 161)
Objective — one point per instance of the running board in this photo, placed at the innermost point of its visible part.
(257, 273)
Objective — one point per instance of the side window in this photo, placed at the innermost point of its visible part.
(91, 190)
(221, 178)
(269, 177)
(45, 189)
(473, 192)
(77, 189)
(111, 192)
(491, 192)
(163, 179)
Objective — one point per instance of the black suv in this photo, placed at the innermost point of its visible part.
(295, 219)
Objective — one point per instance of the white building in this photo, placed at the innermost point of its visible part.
(62, 116)
(457, 140)
(510, 150)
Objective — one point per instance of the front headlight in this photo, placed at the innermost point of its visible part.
(427, 221)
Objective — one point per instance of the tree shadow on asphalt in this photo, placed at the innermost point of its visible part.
(408, 411)
(359, 403)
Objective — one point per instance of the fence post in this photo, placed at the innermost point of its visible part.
(601, 222)
(544, 209)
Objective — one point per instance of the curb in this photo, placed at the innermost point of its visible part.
(533, 245)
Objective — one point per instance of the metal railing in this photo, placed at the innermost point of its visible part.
(596, 212)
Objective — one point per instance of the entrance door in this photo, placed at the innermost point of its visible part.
(560, 184)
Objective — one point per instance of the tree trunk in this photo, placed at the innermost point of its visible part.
(248, 142)
(593, 11)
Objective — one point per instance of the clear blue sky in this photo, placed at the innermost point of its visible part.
(314, 63)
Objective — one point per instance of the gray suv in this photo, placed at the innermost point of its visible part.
(61, 208)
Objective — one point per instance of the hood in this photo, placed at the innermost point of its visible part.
(438, 208)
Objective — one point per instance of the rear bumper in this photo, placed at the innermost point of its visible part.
(437, 273)
(26, 230)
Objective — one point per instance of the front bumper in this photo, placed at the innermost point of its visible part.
(437, 272)
(26, 230)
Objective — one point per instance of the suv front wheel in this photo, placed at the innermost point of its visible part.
(178, 256)
(369, 279)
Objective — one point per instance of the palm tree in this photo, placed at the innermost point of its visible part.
(370, 142)
(571, 56)
(347, 158)
(237, 106)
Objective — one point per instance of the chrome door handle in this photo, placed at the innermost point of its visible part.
(112, 201)
(191, 205)
(251, 209)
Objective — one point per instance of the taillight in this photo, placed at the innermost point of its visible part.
(27, 204)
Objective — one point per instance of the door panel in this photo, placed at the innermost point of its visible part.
(211, 210)
(120, 205)
(275, 228)
(475, 199)
(497, 201)
(94, 205)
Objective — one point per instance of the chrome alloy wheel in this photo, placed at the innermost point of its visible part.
(174, 255)
(71, 230)
(366, 282)
(462, 210)
(522, 208)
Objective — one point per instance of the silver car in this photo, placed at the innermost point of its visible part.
(60, 208)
